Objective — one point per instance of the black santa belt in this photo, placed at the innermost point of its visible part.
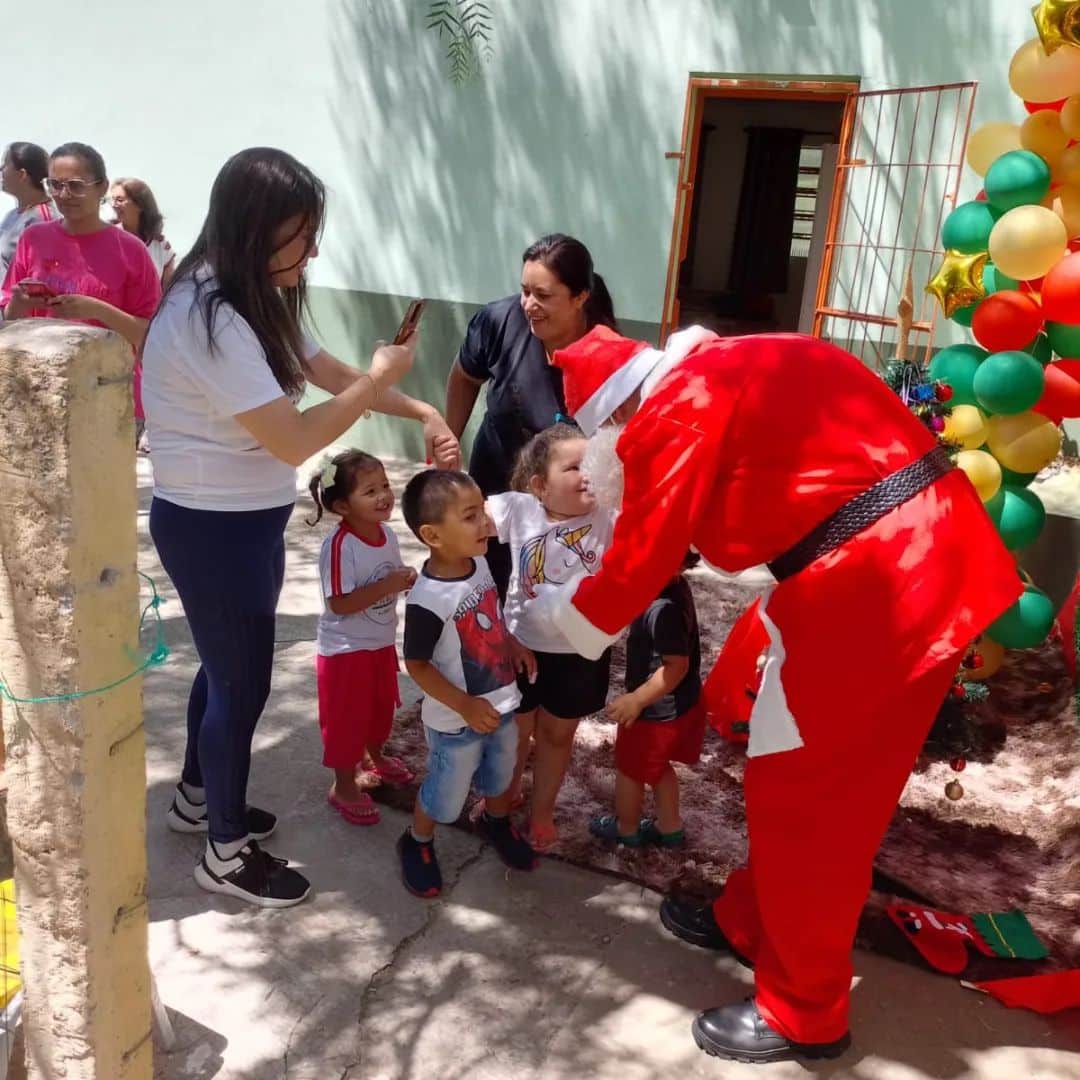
(863, 511)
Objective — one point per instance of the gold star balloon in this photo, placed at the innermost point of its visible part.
(958, 282)
(1058, 23)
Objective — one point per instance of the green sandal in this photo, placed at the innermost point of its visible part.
(648, 833)
(606, 827)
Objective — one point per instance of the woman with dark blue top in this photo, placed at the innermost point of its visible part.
(508, 345)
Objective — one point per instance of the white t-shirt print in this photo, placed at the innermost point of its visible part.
(545, 552)
(347, 562)
(457, 625)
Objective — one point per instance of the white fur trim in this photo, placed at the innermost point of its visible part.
(588, 641)
(772, 727)
(616, 389)
(678, 346)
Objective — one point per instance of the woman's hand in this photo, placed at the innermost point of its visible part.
(391, 363)
(20, 305)
(440, 443)
(74, 306)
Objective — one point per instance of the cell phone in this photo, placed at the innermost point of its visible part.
(410, 322)
(36, 290)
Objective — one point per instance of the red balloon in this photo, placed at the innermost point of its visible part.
(981, 197)
(1074, 244)
(1036, 106)
(1006, 320)
(1032, 287)
(1061, 398)
(1061, 291)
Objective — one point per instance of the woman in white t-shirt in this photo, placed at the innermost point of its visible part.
(225, 366)
(22, 175)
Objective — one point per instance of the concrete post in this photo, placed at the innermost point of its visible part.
(75, 769)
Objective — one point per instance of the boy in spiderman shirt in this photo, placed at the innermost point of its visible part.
(460, 654)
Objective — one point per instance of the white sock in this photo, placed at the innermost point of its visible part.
(421, 839)
(221, 857)
(196, 796)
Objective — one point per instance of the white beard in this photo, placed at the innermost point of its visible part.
(602, 468)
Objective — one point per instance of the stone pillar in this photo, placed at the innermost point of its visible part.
(69, 597)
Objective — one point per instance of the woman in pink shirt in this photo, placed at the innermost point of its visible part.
(82, 268)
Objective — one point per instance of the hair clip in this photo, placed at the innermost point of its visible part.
(328, 477)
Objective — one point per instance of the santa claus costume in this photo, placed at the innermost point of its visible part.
(785, 450)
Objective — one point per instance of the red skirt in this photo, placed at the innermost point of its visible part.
(358, 693)
(645, 749)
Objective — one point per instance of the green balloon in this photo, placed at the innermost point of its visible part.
(956, 366)
(1013, 479)
(964, 315)
(967, 229)
(1018, 514)
(1008, 382)
(1041, 349)
(1026, 623)
(995, 281)
(1017, 178)
(1064, 339)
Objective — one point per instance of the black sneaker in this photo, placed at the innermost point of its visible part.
(509, 844)
(419, 866)
(185, 816)
(253, 875)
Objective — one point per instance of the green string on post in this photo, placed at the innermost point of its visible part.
(158, 655)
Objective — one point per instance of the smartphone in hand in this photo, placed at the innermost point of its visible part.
(36, 290)
(410, 322)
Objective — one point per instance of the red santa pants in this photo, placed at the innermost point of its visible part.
(816, 816)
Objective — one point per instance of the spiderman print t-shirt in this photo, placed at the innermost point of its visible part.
(457, 625)
(545, 552)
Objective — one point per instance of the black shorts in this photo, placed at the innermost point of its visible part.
(567, 685)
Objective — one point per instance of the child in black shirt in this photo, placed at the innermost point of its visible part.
(661, 718)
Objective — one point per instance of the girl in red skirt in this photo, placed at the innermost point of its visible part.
(361, 573)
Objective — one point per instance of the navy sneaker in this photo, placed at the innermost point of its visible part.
(509, 844)
(419, 866)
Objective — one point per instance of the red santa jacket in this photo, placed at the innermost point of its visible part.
(739, 450)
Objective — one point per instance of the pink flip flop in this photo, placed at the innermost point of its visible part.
(394, 771)
(362, 812)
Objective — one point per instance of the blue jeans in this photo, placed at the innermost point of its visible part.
(460, 759)
(228, 568)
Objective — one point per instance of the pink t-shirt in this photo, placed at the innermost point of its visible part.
(110, 265)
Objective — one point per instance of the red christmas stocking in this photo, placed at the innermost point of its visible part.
(941, 937)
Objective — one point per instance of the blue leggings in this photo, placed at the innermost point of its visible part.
(228, 568)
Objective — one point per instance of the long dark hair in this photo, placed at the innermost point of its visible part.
(31, 159)
(256, 191)
(150, 218)
(569, 260)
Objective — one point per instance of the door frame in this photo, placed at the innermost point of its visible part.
(700, 88)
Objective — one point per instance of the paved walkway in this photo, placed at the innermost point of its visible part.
(559, 974)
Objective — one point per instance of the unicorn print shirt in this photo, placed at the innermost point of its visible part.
(545, 552)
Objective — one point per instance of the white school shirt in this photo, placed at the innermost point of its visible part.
(457, 625)
(548, 552)
(346, 562)
(203, 459)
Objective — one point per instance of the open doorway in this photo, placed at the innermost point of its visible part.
(757, 214)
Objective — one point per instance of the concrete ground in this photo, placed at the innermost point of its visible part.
(561, 973)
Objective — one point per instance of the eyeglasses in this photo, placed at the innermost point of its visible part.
(75, 188)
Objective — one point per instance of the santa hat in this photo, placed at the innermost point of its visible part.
(600, 371)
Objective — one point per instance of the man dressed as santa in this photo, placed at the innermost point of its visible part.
(784, 450)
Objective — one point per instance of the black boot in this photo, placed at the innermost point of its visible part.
(740, 1033)
(694, 923)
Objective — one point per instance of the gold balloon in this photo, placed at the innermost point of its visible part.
(1058, 23)
(958, 281)
(1034, 76)
(965, 427)
(992, 655)
(1041, 133)
(1027, 241)
(1070, 118)
(1025, 442)
(1067, 170)
(1067, 207)
(982, 470)
(989, 142)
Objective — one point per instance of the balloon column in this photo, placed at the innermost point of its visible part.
(1011, 273)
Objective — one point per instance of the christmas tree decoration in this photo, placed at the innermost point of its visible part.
(1058, 23)
(956, 367)
(954, 790)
